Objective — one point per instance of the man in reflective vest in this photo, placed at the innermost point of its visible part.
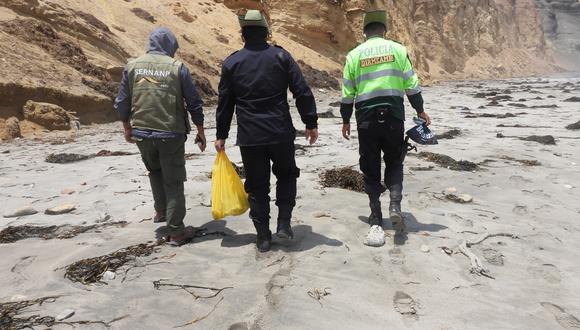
(155, 96)
(377, 75)
(254, 83)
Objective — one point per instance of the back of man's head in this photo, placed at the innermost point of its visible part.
(255, 33)
(375, 29)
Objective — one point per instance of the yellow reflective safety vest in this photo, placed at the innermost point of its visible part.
(378, 73)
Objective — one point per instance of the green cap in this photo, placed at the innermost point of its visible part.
(253, 18)
(377, 16)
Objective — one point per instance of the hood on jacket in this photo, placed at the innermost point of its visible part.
(162, 40)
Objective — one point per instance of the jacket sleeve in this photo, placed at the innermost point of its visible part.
(412, 87)
(305, 101)
(348, 92)
(194, 103)
(226, 104)
(123, 99)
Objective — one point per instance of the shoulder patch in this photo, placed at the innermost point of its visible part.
(233, 53)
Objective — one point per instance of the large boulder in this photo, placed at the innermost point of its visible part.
(11, 129)
(50, 116)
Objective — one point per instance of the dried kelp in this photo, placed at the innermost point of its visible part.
(345, 178)
(525, 162)
(543, 139)
(574, 126)
(10, 314)
(451, 134)
(448, 162)
(90, 270)
(65, 158)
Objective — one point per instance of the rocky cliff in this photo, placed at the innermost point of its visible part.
(561, 25)
(71, 52)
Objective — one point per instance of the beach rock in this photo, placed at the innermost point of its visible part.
(21, 212)
(451, 190)
(61, 209)
(67, 313)
(116, 72)
(375, 237)
(425, 248)
(321, 214)
(51, 116)
(109, 276)
(11, 129)
(465, 198)
(67, 191)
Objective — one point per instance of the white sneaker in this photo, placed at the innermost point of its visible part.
(375, 237)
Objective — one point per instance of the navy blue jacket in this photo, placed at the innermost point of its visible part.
(162, 42)
(255, 81)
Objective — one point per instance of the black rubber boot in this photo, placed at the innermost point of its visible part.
(395, 215)
(264, 240)
(284, 229)
(376, 217)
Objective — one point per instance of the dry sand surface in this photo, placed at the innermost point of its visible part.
(326, 278)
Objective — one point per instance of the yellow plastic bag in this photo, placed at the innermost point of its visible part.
(228, 196)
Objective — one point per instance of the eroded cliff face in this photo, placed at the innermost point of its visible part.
(447, 38)
(561, 25)
(71, 52)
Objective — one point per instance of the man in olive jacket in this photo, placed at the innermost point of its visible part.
(155, 96)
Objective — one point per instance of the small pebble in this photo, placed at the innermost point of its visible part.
(61, 209)
(466, 198)
(109, 276)
(321, 214)
(67, 191)
(425, 249)
(451, 190)
(67, 313)
(21, 212)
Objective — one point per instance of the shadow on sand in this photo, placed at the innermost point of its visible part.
(304, 238)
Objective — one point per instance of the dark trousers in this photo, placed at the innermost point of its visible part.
(257, 167)
(165, 161)
(385, 137)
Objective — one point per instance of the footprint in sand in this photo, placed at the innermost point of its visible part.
(520, 210)
(404, 304)
(518, 179)
(23, 263)
(494, 257)
(397, 256)
(461, 221)
(548, 272)
(239, 326)
(565, 319)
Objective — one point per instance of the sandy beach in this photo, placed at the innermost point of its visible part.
(326, 278)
